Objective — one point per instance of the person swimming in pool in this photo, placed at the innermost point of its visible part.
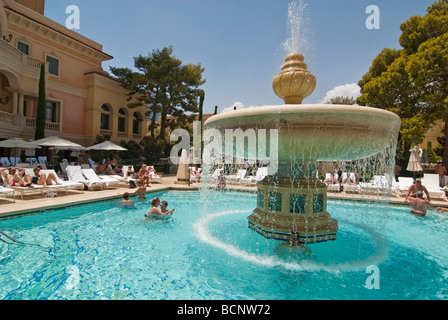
(164, 206)
(155, 211)
(419, 206)
(126, 202)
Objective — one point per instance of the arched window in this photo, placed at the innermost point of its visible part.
(136, 123)
(106, 112)
(122, 115)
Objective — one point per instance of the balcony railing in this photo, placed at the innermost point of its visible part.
(19, 55)
(50, 126)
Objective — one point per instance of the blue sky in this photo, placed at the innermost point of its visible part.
(240, 42)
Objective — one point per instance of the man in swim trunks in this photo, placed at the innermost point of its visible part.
(419, 206)
(15, 177)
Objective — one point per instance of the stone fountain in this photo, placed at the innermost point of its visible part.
(292, 202)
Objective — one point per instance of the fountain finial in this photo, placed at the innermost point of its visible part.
(295, 82)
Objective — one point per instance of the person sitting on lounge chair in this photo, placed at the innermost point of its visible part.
(42, 179)
(152, 172)
(331, 180)
(16, 177)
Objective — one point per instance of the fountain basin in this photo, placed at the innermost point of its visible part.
(317, 131)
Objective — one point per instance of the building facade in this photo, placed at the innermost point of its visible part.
(82, 100)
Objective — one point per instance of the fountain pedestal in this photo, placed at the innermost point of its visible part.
(293, 210)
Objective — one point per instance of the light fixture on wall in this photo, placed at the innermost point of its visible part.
(5, 101)
(8, 39)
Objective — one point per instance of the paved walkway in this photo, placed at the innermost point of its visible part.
(33, 203)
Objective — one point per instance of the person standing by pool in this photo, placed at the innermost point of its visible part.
(155, 211)
(141, 191)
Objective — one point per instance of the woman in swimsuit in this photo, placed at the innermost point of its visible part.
(417, 190)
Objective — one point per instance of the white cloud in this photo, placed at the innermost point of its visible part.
(347, 90)
(238, 105)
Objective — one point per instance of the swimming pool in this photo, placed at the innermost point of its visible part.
(101, 251)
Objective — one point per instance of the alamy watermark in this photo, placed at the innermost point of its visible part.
(73, 21)
(373, 280)
(373, 20)
(252, 145)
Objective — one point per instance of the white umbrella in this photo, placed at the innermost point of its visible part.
(183, 170)
(58, 143)
(107, 146)
(17, 143)
(414, 164)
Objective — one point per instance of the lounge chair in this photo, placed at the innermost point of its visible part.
(154, 177)
(42, 159)
(7, 191)
(66, 185)
(92, 176)
(379, 185)
(333, 187)
(5, 162)
(26, 190)
(32, 161)
(125, 180)
(235, 179)
(431, 183)
(404, 183)
(15, 160)
(253, 180)
(354, 187)
(74, 174)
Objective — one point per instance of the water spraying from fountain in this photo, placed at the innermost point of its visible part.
(297, 22)
(292, 200)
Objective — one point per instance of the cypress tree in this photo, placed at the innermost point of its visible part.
(40, 118)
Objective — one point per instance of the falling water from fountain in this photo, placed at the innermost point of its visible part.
(312, 140)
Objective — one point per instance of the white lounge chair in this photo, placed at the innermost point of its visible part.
(404, 183)
(350, 188)
(25, 190)
(74, 174)
(92, 176)
(66, 185)
(8, 191)
(253, 180)
(154, 177)
(431, 183)
(125, 180)
(235, 179)
(333, 187)
(379, 185)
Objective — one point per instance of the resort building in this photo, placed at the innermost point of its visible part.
(82, 100)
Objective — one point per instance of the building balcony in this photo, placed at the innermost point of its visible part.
(11, 53)
(15, 124)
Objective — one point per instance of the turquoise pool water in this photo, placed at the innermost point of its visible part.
(100, 251)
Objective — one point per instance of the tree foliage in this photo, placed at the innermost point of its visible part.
(165, 86)
(413, 81)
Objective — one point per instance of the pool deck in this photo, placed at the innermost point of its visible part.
(33, 203)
